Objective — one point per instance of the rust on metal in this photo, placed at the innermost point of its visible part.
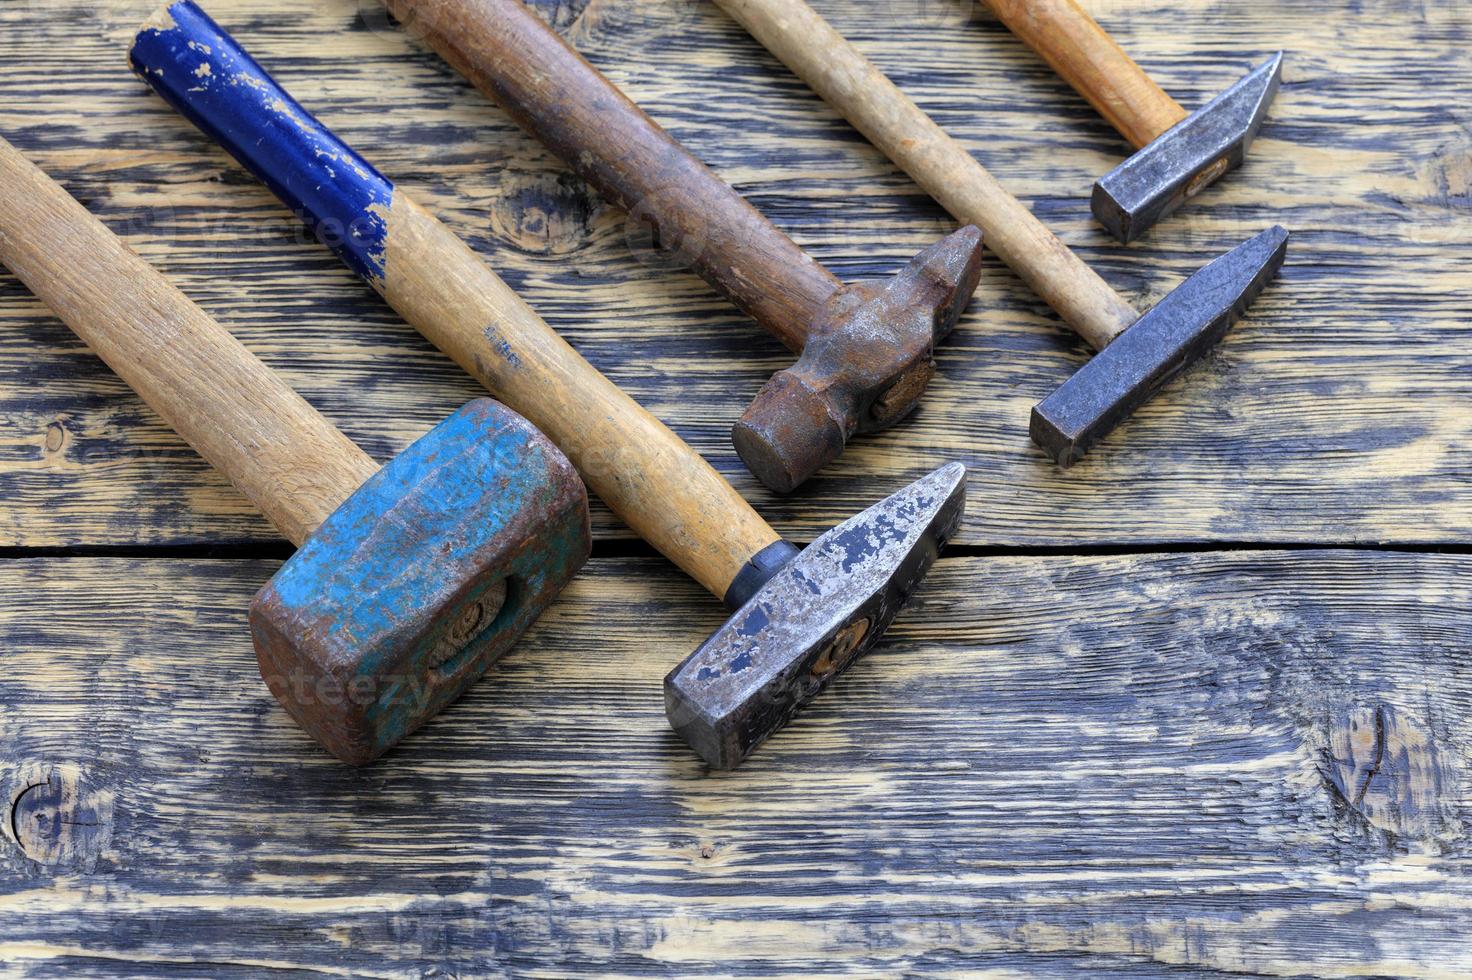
(868, 361)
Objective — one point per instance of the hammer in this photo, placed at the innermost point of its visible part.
(1138, 354)
(799, 617)
(1180, 154)
(408, 581)
(866, 349)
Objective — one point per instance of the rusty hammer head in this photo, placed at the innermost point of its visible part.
(421, 580)
(867, 362)
(1188, 157)
(802, 617)
(1157, 347)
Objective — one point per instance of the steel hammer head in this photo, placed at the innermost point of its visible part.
(811, 619)
(867, 362)
(1188, 157)
(1159, 346)
(421, 580)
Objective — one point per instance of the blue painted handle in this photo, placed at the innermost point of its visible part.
(204, 74)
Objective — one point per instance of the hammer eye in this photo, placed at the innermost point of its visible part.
(478, 619)
(840, 649)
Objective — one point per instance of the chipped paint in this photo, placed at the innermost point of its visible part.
(200, 70)
(160, 20)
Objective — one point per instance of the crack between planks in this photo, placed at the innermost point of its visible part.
(1374, 768)
(634, 548)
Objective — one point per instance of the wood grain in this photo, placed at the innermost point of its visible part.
(236, 412)
(1335, 412)
(1218, 764)
(553, 93)
(1211, 764)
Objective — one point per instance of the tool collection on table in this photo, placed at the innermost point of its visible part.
(410, 580)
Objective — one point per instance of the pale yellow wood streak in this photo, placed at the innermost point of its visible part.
(1054, 766)
(1090, 60)
(665, 490)
(865, 96)
(234, 410)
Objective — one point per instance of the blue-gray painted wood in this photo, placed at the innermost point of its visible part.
(1203, 764)
(1250, 764)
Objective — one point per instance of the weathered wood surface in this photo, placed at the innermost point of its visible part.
(1223, 764)
(1247, 763)
(1337, 412)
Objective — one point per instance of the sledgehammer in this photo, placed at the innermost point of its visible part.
(867, 349)
(1138, 354)
(1180, 153)
(799, 618)
(408, 581)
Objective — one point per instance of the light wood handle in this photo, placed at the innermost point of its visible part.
(1087, 58)
(277, 450)
(651, 478)
(838, 72)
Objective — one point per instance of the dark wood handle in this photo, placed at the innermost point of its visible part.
(289, 460)
(1098, 69)
(556, 95)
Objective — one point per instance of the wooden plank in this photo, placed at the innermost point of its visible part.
(1246, 763)
(1337, 412)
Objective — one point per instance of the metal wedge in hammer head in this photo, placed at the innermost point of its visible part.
(873, 344)
(1188, 157)
(1160, 345)
(811, 619)
(408, 581)
(868, 361)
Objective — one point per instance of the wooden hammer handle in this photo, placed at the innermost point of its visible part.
(556, 95)
(649, 476)
(849, 82)
(660, 486)
(1086, 56)
(289, 460)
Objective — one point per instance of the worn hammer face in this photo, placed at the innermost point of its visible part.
(866, 364)
(1187, 158)
(813, 618)
(1159, 346)
(421, 580)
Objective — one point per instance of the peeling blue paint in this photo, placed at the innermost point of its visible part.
(203, 73)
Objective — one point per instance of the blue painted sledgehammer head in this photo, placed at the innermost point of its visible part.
(421, 580)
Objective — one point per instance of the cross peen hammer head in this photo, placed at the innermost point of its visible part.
(1187, 158)
(1159, 346)
(810, 620)
(421, 580)
(867, 362)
